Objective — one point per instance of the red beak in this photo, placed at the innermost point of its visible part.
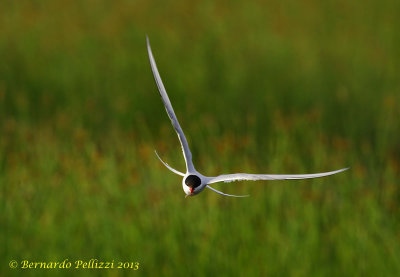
(191, 190)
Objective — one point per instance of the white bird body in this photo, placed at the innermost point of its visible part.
(193, 182)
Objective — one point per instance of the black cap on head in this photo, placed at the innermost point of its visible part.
(192, 181)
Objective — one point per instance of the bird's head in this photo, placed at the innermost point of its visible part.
(191, 185)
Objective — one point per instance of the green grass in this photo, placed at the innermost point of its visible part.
(276, 87)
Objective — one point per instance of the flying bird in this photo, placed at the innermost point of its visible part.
(193, 182)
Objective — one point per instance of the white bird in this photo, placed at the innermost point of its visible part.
(193, 182)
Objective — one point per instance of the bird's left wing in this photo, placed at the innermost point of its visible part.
(170, 111)
(254, 177)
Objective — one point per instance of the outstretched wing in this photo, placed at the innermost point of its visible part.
(220, 192)
(254, 177)
(170, 111)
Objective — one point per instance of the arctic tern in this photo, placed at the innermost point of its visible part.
(193, 182)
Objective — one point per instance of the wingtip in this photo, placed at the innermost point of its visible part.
(340, 170)
(148, 43)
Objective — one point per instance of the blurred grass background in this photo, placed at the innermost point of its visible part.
(258, 86)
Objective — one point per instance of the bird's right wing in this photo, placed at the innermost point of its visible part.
(254, 177)
(170, 111)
